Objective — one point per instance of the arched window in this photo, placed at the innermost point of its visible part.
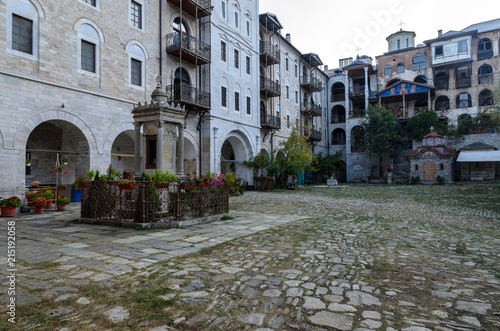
(419, 62)
(462, 118)
(484, 49)
(442, 81)
(400, 68)
(338, 137)
(442, 103)
(464, 100)
(420, 79)
(178, 25)
(399, 44)
(181, 76)
(22, 28)
(392, 82)
(485, 74)
(338, 92)
(89, 59)
(485, 98)
(137, 60)
(338, 114)
(388, 70)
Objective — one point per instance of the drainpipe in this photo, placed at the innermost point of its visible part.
(161, 50)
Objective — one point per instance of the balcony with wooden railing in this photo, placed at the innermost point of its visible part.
(195, 8)
(463, 82)
(270, 121)
(270, 88)
(311, 83)
(269, 54)
(188, 96)
(312, 109)
(189, 48)
(313, 135)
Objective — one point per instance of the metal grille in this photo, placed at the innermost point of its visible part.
(88, 56)
(136, 72)
(150, 203)
(188, 95)
(223, 96)
(189, 44)
(236, 101)
(22, 34)
(136, 14)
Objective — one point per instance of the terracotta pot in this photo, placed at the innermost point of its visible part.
(61, 207)
(126, 186)
(162, 185)
(229, 184)
(61, 189)
(8, 211)
(48, 205)
(39, 210)
(202, 183)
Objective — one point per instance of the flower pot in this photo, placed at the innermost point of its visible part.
(28, 164)
(126, 186)
(48, 205)
(229, 184)
(8, 211)
(202, 183)
(61, 189)
(162, 185)
(39, 210)
(61, 207)
(76, 195)
(187, 187)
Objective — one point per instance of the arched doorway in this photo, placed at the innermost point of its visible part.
(235, 150)
(122, 152)
(182, 84)
(56, 140)
(189, 157)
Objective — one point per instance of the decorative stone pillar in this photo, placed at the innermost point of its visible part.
(137, 150)
(367, 90)
(180, 152)
(159, 146)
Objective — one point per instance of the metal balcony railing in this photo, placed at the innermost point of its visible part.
(358, 113)
(196, 8)
(314, 134)
(483, 55)
(269, 54)
(357, 90)
(311, 83)
(191, 47)
(271, 88)
(188, 96)
(270, 121)
(310, 107)
(441, 83)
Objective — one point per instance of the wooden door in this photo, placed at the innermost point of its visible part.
(429, 171)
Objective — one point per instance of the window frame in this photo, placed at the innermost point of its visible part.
(224, 10)
(387, 70)
(400, 65)
(482, 76)
(137, 52)
(223, 96)
(438, 51)
(462, 43)
(248, 67)
(416, 66)
(94, 39)
(249, 105)
(142, 17)
(28, 39)
(97, 4)
(223, 51)
(296, 71)
(236, 58)
(460, 100)
(236, 19)
(29, 12)
(236, 101)
(139, 62)
(82, 56)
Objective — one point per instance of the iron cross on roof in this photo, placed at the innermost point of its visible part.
(401, 25)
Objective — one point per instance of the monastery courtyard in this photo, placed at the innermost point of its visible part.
(354, 257)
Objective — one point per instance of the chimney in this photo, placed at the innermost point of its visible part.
(288, 38)
(440, 33)
(325, 68)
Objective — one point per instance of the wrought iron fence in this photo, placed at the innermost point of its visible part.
(150, 203)
(189, 44)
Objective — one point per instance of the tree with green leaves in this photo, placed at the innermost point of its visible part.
(382, 136)
(296, 154)
(420, 125)
(328, 164)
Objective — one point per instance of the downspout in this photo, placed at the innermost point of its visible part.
(161, 46)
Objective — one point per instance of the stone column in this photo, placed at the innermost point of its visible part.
(367, 89)
(137, 150)
(159, 146)
(347, 103)
(180, 152)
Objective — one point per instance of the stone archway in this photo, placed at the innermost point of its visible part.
(56, 140)
(122, 152)
(190, 163)
(234, 151)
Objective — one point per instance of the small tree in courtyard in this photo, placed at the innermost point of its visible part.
(420, 125)
(382, 136)
(296, 154)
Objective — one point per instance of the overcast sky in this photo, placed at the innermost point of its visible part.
(334, 29)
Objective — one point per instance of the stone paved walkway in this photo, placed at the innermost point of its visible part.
(307, 260)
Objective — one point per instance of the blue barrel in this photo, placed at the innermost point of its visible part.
(76, 195)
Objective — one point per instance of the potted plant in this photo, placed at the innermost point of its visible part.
(65, 161)
(61, 187)
(440, 179)
(48, 195)
(39, 204)
(28, 162)
(113, 174)
(9, 205)
(126, 184)
(164, 178)
(230, 179)
(415, 180)
(188, 184)
(62, 203)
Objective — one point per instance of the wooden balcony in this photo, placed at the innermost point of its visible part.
(269, 88)
(313, 135)
(269, 121)
(189, 48)
(195, 8)
(312, 109)
(463, 82)
(311, 84)
(269, 54)
(188, 96)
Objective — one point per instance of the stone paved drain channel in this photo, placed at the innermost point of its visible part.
(285, 262)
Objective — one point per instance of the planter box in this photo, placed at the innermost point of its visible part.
(163, 185)
(8, 211)
(126, 186)
(332, 182)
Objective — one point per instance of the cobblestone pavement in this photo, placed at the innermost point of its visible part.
(344, 258)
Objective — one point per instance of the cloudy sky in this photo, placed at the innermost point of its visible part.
(334, 29)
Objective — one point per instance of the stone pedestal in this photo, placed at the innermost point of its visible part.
(332, 182)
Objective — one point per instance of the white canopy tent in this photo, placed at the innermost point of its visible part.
(479, 156)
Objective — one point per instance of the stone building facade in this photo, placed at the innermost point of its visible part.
(433, 159)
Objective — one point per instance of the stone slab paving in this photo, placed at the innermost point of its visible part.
(303, 262)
